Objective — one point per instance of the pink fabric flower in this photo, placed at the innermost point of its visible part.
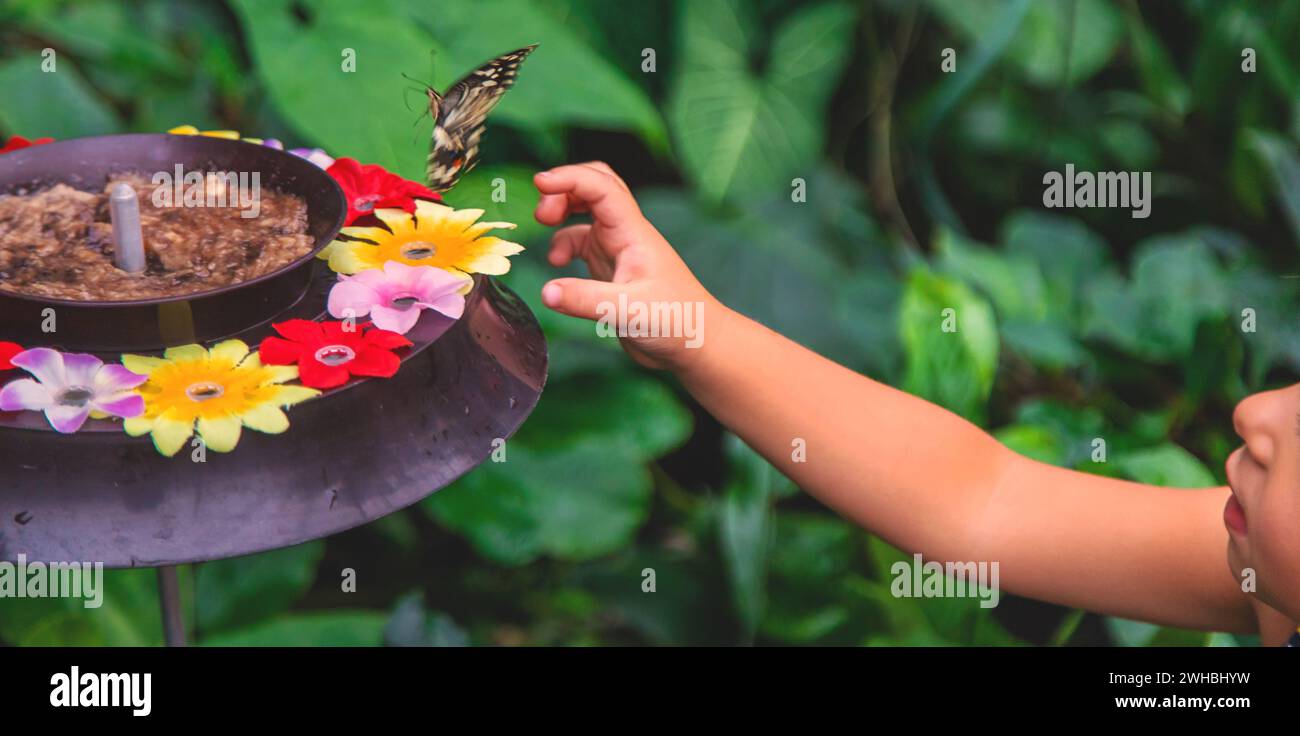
(395, 295)
(69, 387)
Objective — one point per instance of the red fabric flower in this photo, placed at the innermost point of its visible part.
(7, 351)
(370, 187)
(327, 355)
(17, 141)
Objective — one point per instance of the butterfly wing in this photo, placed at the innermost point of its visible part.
(459, 116)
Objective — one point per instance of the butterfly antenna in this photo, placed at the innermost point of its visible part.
(406, 98)
(420, 82)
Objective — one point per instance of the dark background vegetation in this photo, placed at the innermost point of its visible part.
(924, 191)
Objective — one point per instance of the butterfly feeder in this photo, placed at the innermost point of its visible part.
(353, 454)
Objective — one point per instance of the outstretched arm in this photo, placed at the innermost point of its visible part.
(928, 481)
(921, 477)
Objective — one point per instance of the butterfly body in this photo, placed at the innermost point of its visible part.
(459, 115)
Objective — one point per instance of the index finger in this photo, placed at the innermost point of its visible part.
(569, 189)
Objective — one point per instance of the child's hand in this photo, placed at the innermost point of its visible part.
(625, 255)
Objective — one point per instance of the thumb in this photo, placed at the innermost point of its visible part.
(580, 297)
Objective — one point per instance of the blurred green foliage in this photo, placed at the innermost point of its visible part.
(923, 193)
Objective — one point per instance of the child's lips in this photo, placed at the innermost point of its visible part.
(1234, 517)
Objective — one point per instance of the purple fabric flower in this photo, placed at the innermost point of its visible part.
(395, 295)
(70, 387)
(314, 155)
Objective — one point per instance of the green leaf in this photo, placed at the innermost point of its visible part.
(741, 134)
(1160, 78)
(1073, 430)
(932, 621)
(952, 368)
(810, 555)
(1035, 320)
(574, 502)
(1267, 28)
(1282, 161)
(1044, 344)
(237, 592)
(1129, 144)
(338, 628)
(1068, 254)
(513, 186)
(814, 548)
(640, 412)
(129, 615)
(1216, 367)
(868, 319)
(1165, 465)
(1013, 284)
(1068, 627)
(1131, 633)
(116, 35)
(1038, 443)
(575, 348)
(1176, 282)
(1059, 42)
(1140, 634)
(57, 104)
(750, 261)
(1276, 337)
(991, 46)
(746, 528)
(359, 114)
(684, 585)
(413, 626)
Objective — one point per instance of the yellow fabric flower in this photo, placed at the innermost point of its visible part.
(217, 392)
(227, 134)
(436, 235)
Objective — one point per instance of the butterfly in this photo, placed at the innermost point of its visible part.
(458, 117)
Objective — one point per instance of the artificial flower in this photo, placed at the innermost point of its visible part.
(436, 235)
(232, 135)
(314, 155)
(71, 387)
(370, 187)
(215, 393)
(328, 353)
(17, 142)
(7, 351)
(394, 296)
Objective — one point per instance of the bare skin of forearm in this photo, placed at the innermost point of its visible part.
(928, 481)
(891, 462)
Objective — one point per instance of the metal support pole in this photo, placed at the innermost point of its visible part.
(169, 595)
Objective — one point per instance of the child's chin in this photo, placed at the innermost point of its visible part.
(1237, 561)
(1285, 601)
